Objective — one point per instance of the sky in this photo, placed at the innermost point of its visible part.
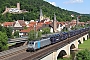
(80, 6)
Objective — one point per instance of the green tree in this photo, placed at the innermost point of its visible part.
(46, 30)
(25, 27)
(2, 29)
(34, 35)
(33, 8)
(31, 35)
(9, 32)
(16, 33)
(39, 34)
(3, 41)
(83, 55)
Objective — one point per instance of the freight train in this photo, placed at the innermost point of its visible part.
(54, 38)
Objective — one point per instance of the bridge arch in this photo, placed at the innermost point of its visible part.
(65, 50)
(61, 54)
(86, 36)
(79, 41)
(72, 46)
(83, 38)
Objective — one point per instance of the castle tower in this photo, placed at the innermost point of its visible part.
(54, 24)
(18, 6)
(41, 15)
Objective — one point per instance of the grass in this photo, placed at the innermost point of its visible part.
(85, 45)
(64, 59)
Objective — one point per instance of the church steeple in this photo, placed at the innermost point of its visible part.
(54, 16)
(41, 14)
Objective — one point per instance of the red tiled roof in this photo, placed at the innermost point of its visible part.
(31, 27)
(8, 24)
(47, 22)
(33, 23)
(63, 23)
(81, 23)
(26, 30)
(22, 22)
(40, 24)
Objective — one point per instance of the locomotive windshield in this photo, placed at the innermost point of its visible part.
(31, 42)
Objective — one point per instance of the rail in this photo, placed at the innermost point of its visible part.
(51, 48)
(37, 55)
(7, 53)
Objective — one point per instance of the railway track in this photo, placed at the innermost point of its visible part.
(11, 52)
(34, 55)
(37, 55)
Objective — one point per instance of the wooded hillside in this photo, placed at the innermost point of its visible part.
(33, 6)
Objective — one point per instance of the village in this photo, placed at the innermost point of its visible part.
(42, 22)
(39, 30)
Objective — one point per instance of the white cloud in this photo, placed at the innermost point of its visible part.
(73, 1)
(53, 3)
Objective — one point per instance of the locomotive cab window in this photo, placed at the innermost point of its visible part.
(31, 42)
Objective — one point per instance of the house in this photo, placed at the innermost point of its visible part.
(31, 26)
(7, 24)
(19, 25)
(25, 32)
(60, 26)
(75, 22)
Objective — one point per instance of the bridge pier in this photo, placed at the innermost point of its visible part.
(85, 36)
(76, 42)
(54, 55)
(68, 50)
(81, 40)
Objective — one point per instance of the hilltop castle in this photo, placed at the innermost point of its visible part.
(14, 10)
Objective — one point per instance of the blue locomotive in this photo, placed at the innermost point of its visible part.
(54, 38)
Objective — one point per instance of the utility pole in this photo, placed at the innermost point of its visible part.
(54, 24)
(35, 33)
(23, 18)
(69, 26)
(77, 21)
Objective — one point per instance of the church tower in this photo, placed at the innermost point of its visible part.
(54, 24)
(41, 14)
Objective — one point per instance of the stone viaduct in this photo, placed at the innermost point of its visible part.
(65, 50)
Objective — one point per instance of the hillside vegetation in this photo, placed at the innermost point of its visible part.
(33, 6)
